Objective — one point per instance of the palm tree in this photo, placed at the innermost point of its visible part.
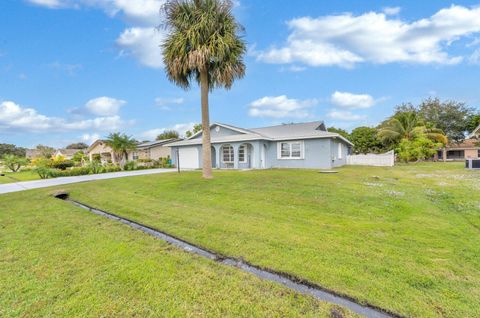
(203, 45)
(408, 125)
(121, 144)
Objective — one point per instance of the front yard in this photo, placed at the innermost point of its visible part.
(405, 239)
(26, 175)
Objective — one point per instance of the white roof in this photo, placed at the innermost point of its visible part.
(294, 131)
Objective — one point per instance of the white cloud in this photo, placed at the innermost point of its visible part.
(144, 44)
(141, 41)
(14, 117)
(180, 128)
(52, 4)
(104, 106)
(392, 10)
(475, 57)
(345, 115)
(352, 101)
(90, 138)
(70, 69)
(145, 12)
(280, 107)
(169, 101)
(346, 40)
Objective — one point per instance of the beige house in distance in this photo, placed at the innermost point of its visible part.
(153, 150)
(467, 149)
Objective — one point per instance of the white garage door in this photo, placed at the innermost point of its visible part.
(188, 158)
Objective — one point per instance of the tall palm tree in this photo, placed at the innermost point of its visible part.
(121, 144)
(203, 45)
(408, 125)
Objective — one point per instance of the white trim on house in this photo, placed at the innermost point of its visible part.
(290, 150)
(240, 130)
(231, 154)
(245, 153)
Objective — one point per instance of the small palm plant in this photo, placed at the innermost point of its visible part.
(408, 125)
(121, 144)
(203, 45)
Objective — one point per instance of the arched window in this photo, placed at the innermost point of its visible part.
(227, 154)
(242, 153)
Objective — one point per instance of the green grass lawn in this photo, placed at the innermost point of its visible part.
(19, 176)
(405, 239)
(57, 260)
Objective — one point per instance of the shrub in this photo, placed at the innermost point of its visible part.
(45, 172)
(62, 165)
(42, 162)
(419, 149)
(130, 165)
(111, 168)
(14, 163)
(95, 167)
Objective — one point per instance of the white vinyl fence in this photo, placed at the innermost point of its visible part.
(384, 160)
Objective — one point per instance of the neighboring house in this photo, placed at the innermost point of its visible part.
(153, 150)
(32, 153)
(67, 153)
(468, 149)
(303, 145)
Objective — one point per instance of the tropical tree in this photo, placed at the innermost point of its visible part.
(365, 140)
(121, 144)
(408, 125)
(168, 134)
(203, 45)
(14, 163)
(451, 117)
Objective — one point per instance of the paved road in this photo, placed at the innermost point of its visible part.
(27, 185)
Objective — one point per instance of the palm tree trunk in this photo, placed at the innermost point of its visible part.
(206, 144)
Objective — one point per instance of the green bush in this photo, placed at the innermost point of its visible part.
(95, 167)
(45, 172)
(130, 165)
(62, 165)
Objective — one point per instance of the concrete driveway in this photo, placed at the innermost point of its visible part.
(28, 185)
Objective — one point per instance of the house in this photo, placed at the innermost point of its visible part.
(32, 153)
(153, 150)
(467, 149)
(301, 145)
(67, 153)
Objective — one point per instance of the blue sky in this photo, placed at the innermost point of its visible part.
(75, 70)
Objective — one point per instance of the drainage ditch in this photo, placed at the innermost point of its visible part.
(287, 280)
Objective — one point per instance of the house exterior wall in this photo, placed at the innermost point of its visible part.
(154, 153)
(317, 154)
(471, 153)
(338, 159)
(100, 148)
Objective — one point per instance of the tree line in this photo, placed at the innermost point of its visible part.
(416, 132)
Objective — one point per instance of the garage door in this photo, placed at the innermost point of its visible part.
(188, 158)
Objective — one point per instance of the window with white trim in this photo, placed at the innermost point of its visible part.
(242, 151)
(135, 156)
(227, 154)
(290, 150)
(340, 151)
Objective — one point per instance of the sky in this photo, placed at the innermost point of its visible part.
(77, 70)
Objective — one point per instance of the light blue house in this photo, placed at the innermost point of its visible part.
(302, 145)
